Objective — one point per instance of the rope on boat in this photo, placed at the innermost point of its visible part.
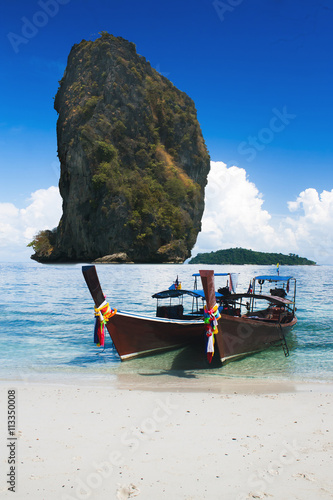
(103, 313)
(211, 318)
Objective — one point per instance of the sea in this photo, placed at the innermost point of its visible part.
(47, 324)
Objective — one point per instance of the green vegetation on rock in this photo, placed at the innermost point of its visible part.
(43, 243)
(242, 256)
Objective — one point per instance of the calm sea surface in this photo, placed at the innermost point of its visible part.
(47, 323)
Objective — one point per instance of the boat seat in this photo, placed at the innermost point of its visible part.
(171, 312)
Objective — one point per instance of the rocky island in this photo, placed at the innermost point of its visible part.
(134, 163)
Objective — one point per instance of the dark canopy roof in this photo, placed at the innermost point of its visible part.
(178, 293)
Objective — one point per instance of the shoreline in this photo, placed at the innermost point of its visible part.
(184, 380)
(170, 437)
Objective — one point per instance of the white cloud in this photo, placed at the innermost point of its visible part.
(312, 225)
(234, 217)
(18, 226)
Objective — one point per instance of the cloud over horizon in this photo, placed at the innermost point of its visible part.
(18, 226)
(234, 216)
(311, 226)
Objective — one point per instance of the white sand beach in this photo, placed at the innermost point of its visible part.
(164, 437)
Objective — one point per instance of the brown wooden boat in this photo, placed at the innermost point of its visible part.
(238, 333)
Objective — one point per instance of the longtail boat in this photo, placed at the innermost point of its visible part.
(227, 325)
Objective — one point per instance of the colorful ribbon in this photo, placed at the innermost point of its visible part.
(103, 313)
(211, 318)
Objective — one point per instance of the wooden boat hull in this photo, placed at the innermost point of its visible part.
(135, 336)
(239, 336)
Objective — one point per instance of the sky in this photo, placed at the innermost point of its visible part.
(260, 73)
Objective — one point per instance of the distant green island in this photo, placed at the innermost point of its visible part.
(242, 256)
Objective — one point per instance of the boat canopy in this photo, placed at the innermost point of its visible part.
(166, 294)
(273, 278)
(270, 298)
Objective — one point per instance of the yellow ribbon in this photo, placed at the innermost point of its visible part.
(105, 316)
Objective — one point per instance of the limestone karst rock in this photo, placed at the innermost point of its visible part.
(134, 164)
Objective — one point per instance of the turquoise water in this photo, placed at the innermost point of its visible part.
(47, 322)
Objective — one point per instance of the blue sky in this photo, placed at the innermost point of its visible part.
(259, 72)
